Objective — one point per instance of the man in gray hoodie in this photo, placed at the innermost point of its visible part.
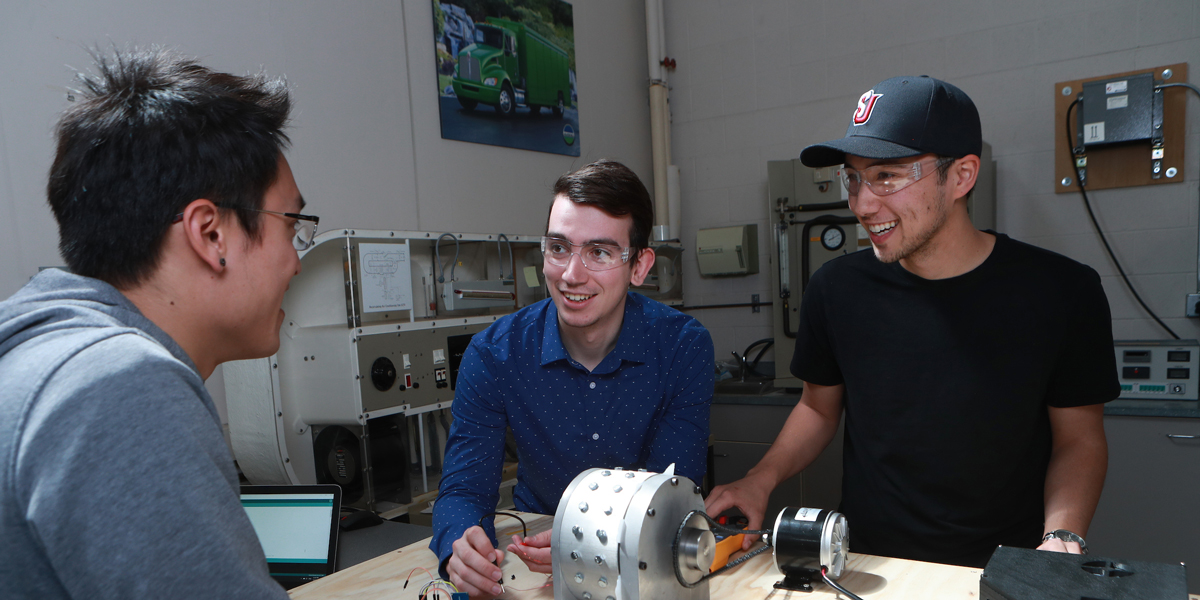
(178, 218)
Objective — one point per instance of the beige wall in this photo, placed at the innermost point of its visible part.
(759, 80)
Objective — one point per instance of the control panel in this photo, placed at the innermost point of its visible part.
(1158, 369)
(416, 367)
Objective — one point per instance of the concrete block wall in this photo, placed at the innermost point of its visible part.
(759, 80)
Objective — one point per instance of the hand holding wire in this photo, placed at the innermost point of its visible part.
(534, 551)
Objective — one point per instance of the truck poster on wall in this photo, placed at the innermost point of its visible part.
(506, 73)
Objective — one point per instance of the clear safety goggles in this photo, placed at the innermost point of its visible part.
(596, 257)
(888, 178)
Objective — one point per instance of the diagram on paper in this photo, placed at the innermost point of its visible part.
(385, 276)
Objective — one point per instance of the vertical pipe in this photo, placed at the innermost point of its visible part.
(659, 141)
(424, 470)
(673, 213)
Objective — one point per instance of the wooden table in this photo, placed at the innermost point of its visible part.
(868, 576)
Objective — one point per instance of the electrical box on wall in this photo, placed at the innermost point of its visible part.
(1117, 110)
(728, 250)
(1120, 130)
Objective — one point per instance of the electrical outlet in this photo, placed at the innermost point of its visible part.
(754, 302)
(1193, 305)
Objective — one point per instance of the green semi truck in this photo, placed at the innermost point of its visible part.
(510, 65)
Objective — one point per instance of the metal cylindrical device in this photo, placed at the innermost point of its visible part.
(613, 535)
(806, 539)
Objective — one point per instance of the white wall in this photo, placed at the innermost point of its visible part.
(759, 80)
(367, 147)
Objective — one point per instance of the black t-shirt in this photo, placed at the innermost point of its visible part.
(947, 383)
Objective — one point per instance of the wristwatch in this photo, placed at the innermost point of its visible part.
(1068, 536)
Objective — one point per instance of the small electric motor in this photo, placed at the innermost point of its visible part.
(806, 540)
(613, 537)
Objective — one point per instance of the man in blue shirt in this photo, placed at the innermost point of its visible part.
(600, 377)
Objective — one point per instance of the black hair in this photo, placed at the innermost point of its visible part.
(148, 133)
(615, 189)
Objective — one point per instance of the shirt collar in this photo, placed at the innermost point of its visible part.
(631, 344)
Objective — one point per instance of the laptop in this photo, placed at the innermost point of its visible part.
(298, 528)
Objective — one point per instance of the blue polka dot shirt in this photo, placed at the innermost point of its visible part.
(646, 405)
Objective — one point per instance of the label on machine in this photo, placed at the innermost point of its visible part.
(385, 276)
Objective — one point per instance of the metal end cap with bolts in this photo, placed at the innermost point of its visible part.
(902, 117)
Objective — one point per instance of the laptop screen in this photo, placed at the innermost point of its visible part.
(297, 527)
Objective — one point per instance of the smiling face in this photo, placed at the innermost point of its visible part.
(263, 270)
(905, 224)
(591, 304)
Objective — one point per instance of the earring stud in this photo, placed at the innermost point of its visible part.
(222, 262)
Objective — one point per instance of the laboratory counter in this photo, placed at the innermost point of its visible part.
(874, 577)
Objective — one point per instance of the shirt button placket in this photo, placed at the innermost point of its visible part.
(592, 386)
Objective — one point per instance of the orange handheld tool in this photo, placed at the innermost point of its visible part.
(724, 548)
(727, 545)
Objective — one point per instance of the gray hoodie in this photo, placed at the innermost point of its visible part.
(115, 481)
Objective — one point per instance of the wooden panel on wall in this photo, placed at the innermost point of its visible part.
(1124, 165)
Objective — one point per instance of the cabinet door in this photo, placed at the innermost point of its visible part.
(731, 461)
(1150, 507)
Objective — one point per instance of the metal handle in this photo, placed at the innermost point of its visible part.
(1177, 436)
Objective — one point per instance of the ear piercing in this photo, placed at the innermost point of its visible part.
(222, 262)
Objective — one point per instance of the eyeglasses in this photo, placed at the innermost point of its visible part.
(889, 178)
(596, 257)
(305, 225)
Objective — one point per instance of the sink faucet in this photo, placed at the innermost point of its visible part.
(741, 365)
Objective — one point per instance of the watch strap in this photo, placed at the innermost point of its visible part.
(1068, 536)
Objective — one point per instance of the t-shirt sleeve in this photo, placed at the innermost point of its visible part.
(474, 463)
(126, 482)
(1086, 370)
(814, 359)
(681, 436)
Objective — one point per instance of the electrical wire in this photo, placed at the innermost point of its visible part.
(1186, 85)
(1197, 92)
(500, 255)
(524, 528)
(410, 574)
(1100, 232)
(437, 261)
(833, 584)
(432, 588)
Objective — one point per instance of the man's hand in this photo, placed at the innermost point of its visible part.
(1057, 545)
(473, 567)
(749, 494)
(534, 550)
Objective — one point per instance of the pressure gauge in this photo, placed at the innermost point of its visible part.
(833, 237)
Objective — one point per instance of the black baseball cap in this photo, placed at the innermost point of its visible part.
(902, 117)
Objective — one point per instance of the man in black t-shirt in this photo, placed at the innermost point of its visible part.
(972, 368)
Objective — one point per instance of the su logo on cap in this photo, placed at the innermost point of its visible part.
(866, 104)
